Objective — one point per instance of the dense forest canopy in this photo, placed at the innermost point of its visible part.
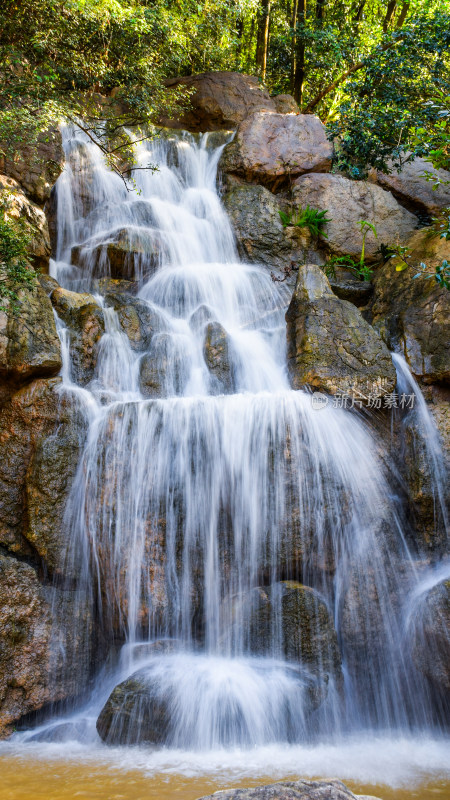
(377, 73)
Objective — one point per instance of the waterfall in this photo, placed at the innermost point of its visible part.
(243, 548)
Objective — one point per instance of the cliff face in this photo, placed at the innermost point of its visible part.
(276, 161)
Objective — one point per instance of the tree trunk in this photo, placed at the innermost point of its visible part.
(390, 11)
(402, 16)
(320, 8)
(299, 72)
(262, 41)
(293, 43)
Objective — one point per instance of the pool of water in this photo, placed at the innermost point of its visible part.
(389, 769)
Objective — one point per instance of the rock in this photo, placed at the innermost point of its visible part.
(50, 475)
(413, 314)
(33, 671)
(331, 348)
(36, 166)
(261, 238)
(40, 440)
(348, 287)
(220, 100)
(347, 202)
(130, 254)
(85, 320)
(114, 286)
(431, 636)
(20, 207)
(29, 343)
(138, 320)
(289, 790)
(412, 189)
(216, 352)
(418, 470)
(285, 104)
(162, 370)
(307, 632)
(134, 714)
(273, 149)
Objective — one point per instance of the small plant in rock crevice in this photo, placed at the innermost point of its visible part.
(359, 268)
(311, 218)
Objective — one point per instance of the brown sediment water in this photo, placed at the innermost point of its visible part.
(25, 778)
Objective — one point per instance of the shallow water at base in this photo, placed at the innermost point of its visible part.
(411, 769)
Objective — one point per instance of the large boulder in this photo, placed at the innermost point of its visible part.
(254, 213)
(413, 314)
(35, 166)
(134, 714)
(347, 202)
(273, 149)
(41, 660)
(411, 187)
(218, 100)
(330, 346)
(29, 343)
(291, 790)
(35, 221)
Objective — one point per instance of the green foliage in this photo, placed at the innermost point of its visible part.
(15, 269)
(359, 268)
(311, 218)
(386, 115)
(441, 225)
(440, 273)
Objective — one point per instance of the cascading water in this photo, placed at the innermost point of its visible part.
(213, 505)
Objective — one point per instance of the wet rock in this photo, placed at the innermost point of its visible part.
(220, 100)
(50, 475)
(137, 319)
(431, 636)
(114, 286)
(32, 665)
(162, 370)
(261, 238)
(413, 314)
(411, 187)
(307, 634)
(41, 433)
(48, 284)
(347, 202)
(285, 104)
(29, 344)
(273, 149)
(200, 317)
(85, 320)
(216, 352)
(290, 790)
(130, 254)
(36, 166)
(134, 714)
(331, 348)
(20, 207)
(417, 468)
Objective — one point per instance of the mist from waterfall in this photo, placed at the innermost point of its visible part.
(205, 499)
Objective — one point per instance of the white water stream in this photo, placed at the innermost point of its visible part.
(220, 482)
